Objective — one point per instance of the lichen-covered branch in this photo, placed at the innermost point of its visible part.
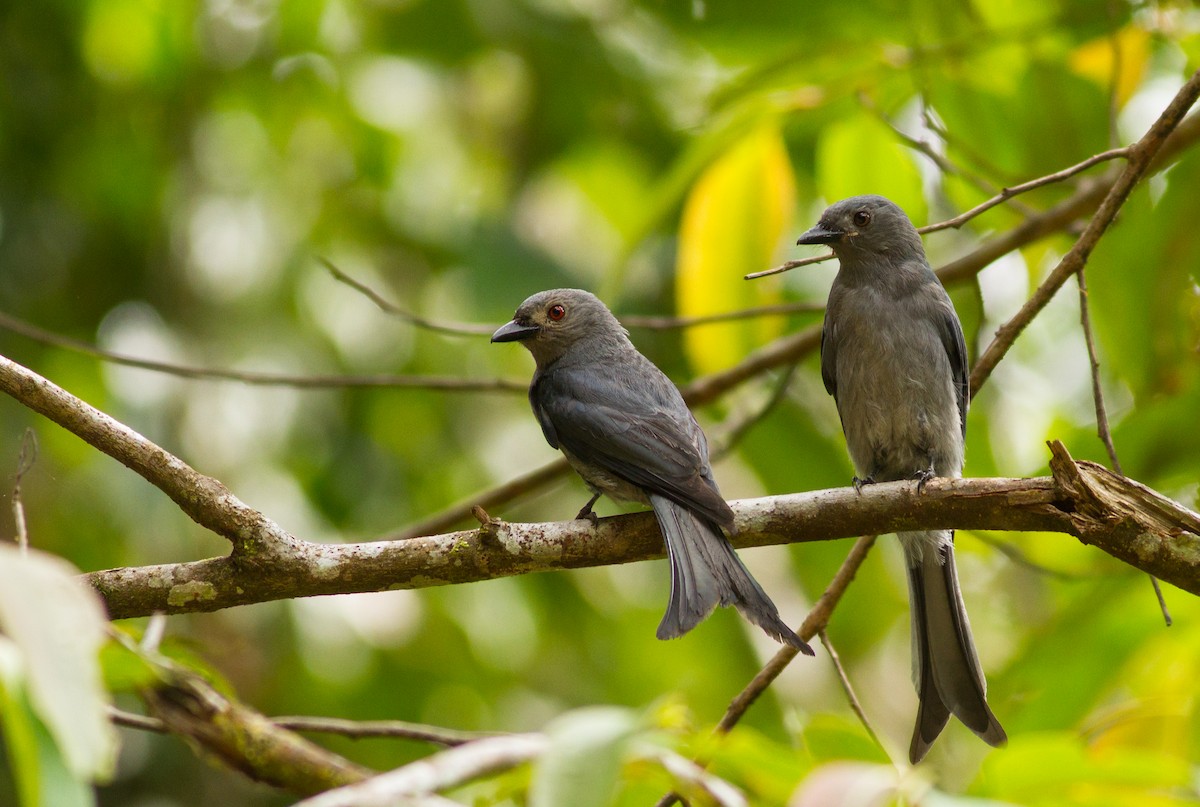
(1118, 515)
(245, 740)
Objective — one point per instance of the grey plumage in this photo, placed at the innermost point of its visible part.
(893, 357)
(624, 427)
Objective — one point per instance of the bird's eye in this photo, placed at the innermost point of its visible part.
(862, 218)
(556, 312)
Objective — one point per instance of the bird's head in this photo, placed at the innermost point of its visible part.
(551, 322)
(866, 226)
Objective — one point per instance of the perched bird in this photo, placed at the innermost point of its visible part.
(893, 357)
(625, 429)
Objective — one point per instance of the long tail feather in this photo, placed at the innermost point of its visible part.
(706, 572)
(946, 669)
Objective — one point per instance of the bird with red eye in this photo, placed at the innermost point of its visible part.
(625, 429)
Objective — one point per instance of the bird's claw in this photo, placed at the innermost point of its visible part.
(586, 512)
(922, 477)
(859, 484)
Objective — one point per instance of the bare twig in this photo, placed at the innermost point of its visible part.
(443, 770)
(672, 323)
(354, 729)
(816, 621)
(789, 265)
(398, 729)
(438, 326)
(25, 461)
(440, 383)
(848, 689)
(733, 431)
(943, 163)
(1008, 193)
(1102, 426)
(1021, 559)
(1139, 159)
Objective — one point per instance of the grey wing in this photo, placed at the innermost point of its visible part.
(651, 441)
(950, 331)
(829, 356)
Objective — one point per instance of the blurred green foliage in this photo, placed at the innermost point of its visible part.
(170, 171)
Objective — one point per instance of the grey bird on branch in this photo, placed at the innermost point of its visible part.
(893, 357)
(625, 429)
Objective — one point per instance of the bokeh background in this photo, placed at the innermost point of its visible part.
(172, 172)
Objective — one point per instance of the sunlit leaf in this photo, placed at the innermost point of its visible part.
(859, 155)
(59, 625)
(732, 225)
(581, 767)
(40, 773)
(1128, 50)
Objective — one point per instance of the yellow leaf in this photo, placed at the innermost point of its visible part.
(1094, 60)
(733, 222)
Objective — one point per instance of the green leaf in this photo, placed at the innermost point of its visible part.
(732, 225)
(58, 625)
(39, 769)
(858, 155)
(586, 751)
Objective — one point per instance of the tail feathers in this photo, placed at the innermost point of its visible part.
(946, 669)
(705, 573)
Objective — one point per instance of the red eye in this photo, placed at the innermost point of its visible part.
(556, 312)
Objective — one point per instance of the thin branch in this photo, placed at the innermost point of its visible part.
(630, 321)
(398, 729)
(130, 720)
(733, 431)
(943, 163)
(1018, 557)
(789, 265)
(1102, 426)
(206, 500)
(385, 305)
(25, 462)
(440, 383)
(848, 689)
(443, 770)
(673, 323)
(1006, 194)
(354, 729)
(1139, 159)
(688, 772)
(815, 622)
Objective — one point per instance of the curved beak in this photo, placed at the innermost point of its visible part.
(514, 332)
(821, 235)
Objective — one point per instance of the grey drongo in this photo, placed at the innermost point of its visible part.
(893, 357)
(624, 427)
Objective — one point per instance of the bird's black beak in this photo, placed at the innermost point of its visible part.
(821, 235)
(514, 332)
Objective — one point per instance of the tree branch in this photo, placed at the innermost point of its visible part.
(431, 382)
(245, 740)
(1121, 517)
(1139, 159)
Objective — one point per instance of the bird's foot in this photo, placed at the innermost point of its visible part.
(859, 484)
(922, 477)
(586, 512)
(487, 524)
